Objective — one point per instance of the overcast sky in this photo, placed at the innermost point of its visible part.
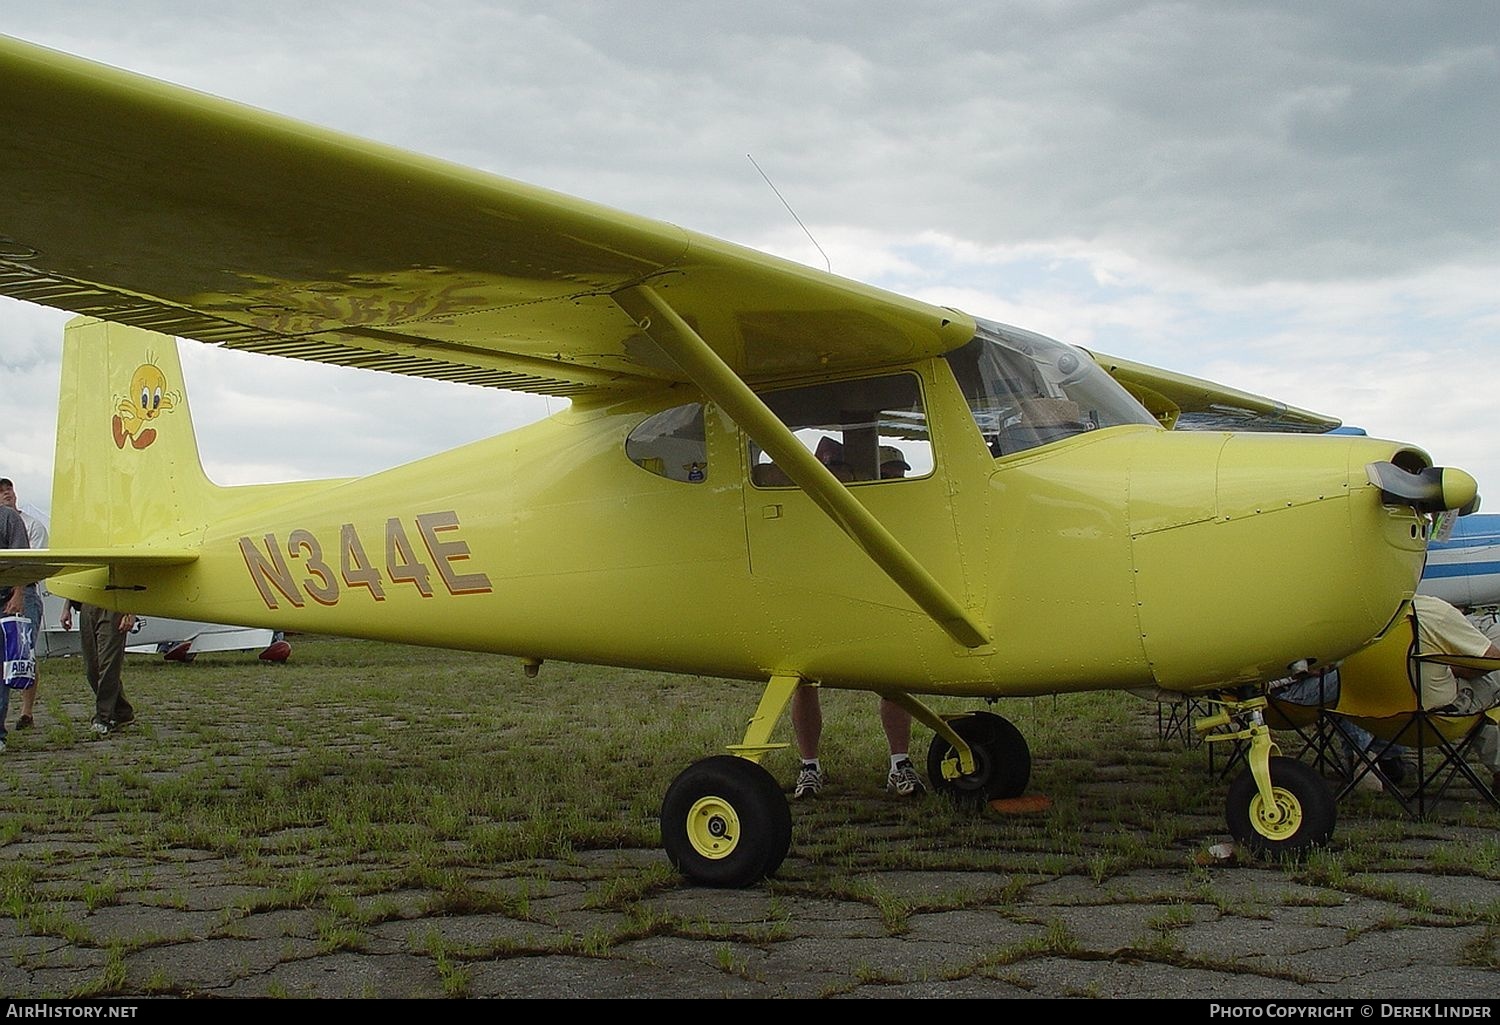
(1295, 199)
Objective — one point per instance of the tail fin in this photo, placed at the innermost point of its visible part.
(128, 471)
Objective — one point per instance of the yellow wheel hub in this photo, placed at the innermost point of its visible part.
(713, 828)
(1280, 822)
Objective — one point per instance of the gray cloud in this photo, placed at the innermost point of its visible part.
(1250, 141)
(1253, 172)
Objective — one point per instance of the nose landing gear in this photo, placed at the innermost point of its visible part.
(1277, 805)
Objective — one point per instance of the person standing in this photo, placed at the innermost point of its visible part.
(102, 634)
(36, 533)
(12, 599)
(807, 709)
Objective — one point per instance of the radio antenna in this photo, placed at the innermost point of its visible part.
(789, 210)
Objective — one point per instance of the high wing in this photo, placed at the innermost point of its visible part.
(1186, 403)
(152, 205)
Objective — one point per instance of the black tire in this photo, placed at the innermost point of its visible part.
(725, 823)
(1300, 792)
(1002, 761)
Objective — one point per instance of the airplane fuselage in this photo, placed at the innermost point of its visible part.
(1125, 556)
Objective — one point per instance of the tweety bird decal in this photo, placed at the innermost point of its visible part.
(148, 398)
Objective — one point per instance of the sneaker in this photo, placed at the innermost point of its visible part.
(904, 780)
(2, 747)
(1394, 767)
(1369, 783)
(120, 724)
(809, 781)
(99, 729)
(23, 722)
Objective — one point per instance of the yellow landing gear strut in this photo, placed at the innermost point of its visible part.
(724, 820)
(1277, 805)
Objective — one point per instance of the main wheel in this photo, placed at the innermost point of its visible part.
(1002, 761)
(725, 822)
(1302, 813)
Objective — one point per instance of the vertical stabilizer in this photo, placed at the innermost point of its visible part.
(127, 471)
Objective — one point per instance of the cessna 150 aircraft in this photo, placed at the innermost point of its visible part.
(1053, 535)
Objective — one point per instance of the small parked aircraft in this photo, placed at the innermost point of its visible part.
(175, 640)
(1052, 534)
(1463, 562)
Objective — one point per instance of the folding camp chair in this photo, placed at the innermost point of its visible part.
(1175, 713)
(1316, 734)
(1381, 692)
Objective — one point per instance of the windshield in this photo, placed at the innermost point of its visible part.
(1026, 389)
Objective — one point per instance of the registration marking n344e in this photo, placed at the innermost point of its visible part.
(271, 572)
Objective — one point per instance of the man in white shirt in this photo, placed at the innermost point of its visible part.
(1442, 629)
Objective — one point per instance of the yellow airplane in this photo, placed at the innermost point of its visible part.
(1050, 534)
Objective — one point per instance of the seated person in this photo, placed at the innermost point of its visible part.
(892, 463)
(1451, 690)
(769, 475)
(1320, 688)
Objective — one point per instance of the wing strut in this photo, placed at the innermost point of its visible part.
(676, 338)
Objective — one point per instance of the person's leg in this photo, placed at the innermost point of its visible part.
(88, 633)
(1487, 746)
(807, 722)
(4, 691)
(1475, 697)
(28, 696)
(102, 634)
(112, 668)
(896, 721)
(807, 732)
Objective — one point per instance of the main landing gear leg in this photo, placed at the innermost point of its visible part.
(724, 821)
(975, 757)
(1277, 805)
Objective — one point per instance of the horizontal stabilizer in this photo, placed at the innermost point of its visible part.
(25, 566)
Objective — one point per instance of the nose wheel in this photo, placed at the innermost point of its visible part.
(1300, 813)
(725, 822)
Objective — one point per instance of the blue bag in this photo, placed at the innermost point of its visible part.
(19, 667)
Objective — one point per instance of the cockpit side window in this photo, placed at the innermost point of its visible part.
(1027, 390)
(672, 444)
(872, 429)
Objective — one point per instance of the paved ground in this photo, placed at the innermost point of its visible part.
(1142, 934)
(138, 909)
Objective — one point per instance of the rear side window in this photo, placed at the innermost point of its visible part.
(672, 444)
(871, 429)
